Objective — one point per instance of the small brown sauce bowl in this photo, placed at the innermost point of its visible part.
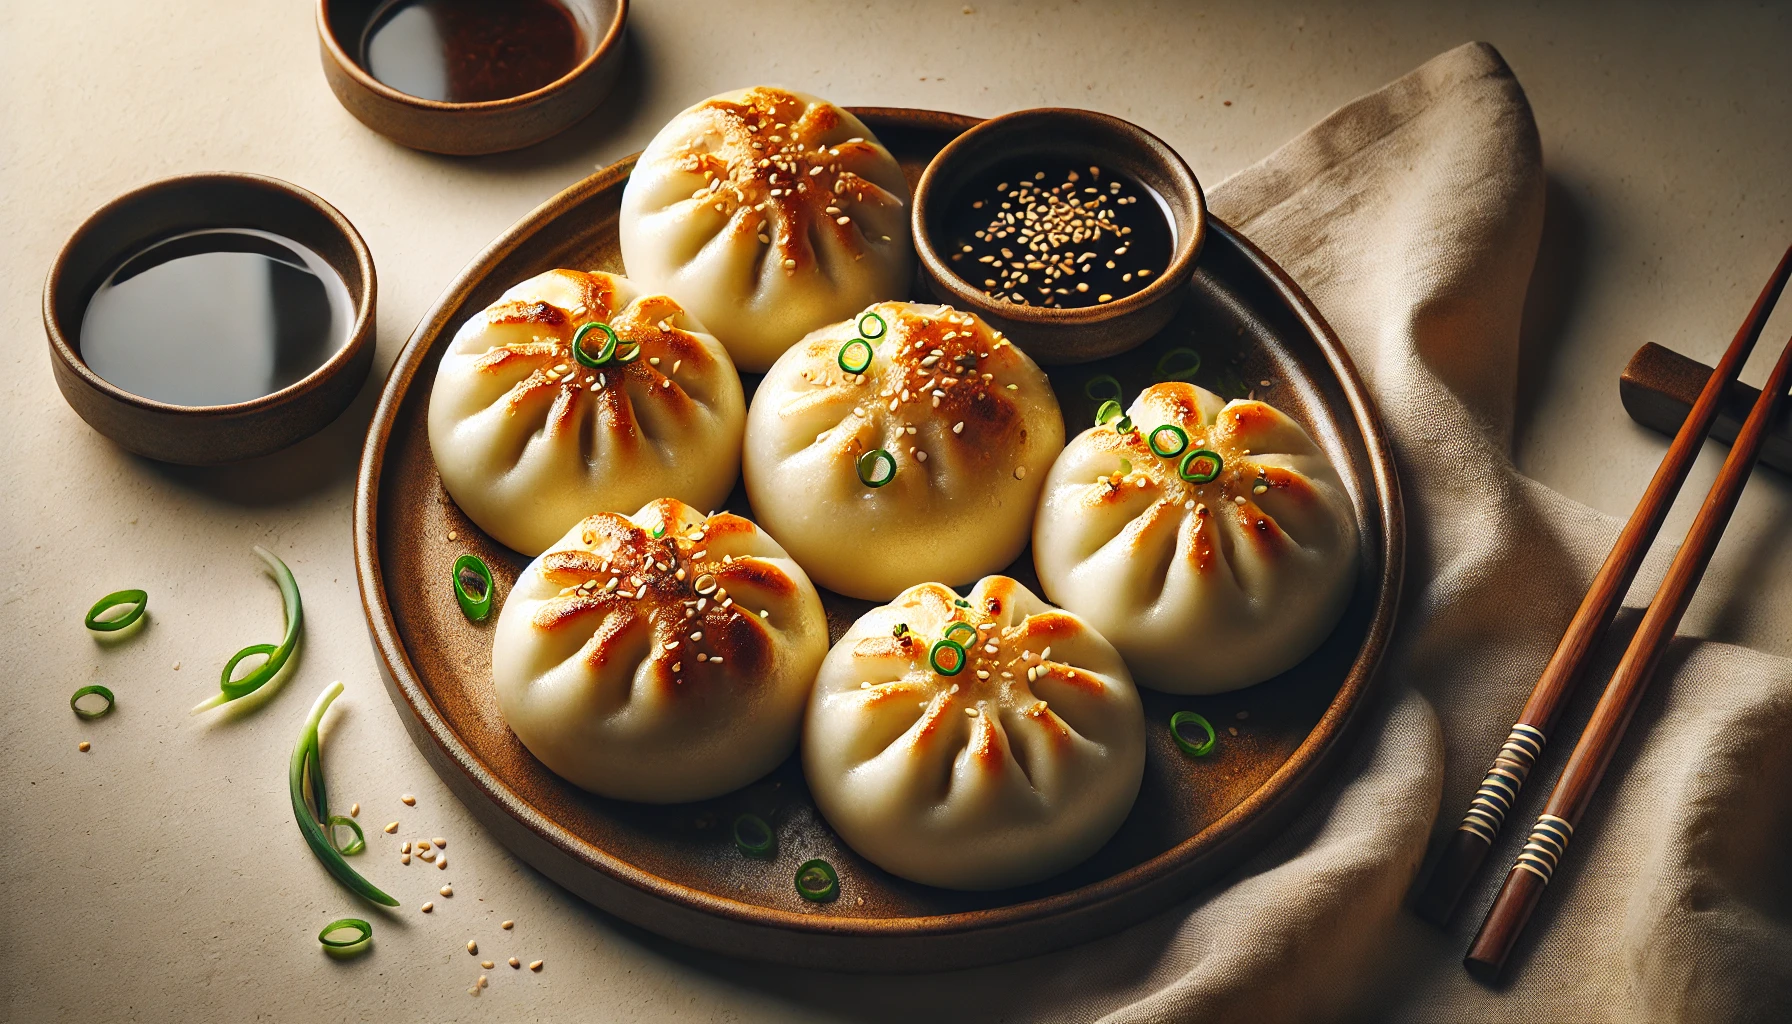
(202, 435)
(1051, 335)
(471, 129)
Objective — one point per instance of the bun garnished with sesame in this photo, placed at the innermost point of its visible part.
(530, 435)
(1211, 541)
(904, 445)
(976, 742)
(662, 657)
(769, 213)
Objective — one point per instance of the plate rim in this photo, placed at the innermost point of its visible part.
(1296, 775)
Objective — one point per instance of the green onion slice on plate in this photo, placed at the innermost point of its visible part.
(363, 933)
(471, 569)
(1200, 466)
(606, 348)
(817, 881)
(872, 327)
(947, 657)
(353, 846)
(966, 628)
(96, 690)
(1179, 364)
(1110, 410)
(134, 603)
(855, 356)
(1191, 747)
(631, 355)
(877, 467)
(1167, 441)
(1102, 388)
(307, 767)
(230, 689)
(752, 836)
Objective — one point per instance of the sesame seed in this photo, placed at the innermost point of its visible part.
(472, 947)
(514, 962)
(427, 907)
(508, 925)
(535, 965)
(354, 810)
(408, 800)
(452, 535)
(488, 965)
(406, 848)
(392, 827)
(84, 746)
(446, 890)
(404, 858)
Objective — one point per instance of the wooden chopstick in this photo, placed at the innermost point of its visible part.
(1599, 741)
(1472, 839)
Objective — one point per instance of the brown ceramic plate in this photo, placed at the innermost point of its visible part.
(674, 870)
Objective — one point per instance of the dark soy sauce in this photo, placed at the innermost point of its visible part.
(1058, 234)
(216, 317)
(469, 51)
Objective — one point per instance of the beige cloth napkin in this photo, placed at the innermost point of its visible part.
(1412, 218)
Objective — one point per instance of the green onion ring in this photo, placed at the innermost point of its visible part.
(869, 465)
(1124, 425)
(355, 845)
(851, 359)
(1179, 364)
(307, 763)
(1178, 440)
(1194, 476)
(138, 598)
(752, 836)
(877, 329)
(1192, 749)
(933, 657)
(363, 933)
(1110, 410)
(631, 355)
(604, 352)
(88, 691)
(476, 608)
(965, 627)
(817, 881)
(231, 689)
(1102, 388)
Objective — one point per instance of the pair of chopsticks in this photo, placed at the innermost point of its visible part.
(1549, 838)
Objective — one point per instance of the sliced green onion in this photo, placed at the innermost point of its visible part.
(1125, 467)
(900, 629)
(1175, 440)
(363, 933)
(855, 356)
(1179, 364)
(659, 530)
(959, 657)
(1190, 747)
(96, 690)
(355, 845)
(1102, 388)
(961, 602)
(871, 326)
(1110, 410)
(1124, 425)
(962, 627)
(1192, 469)
(604, 351)
(308, 764)
(230, 689)
(631, 355)
(752, 836)
(475, 607)
(135, 602)
(877, 468)
(817, 881)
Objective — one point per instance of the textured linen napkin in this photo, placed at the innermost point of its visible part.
(1412, 217)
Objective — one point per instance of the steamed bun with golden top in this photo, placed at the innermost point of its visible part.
(1211, 541)
(531, 436)
(974, 743)
(904, 445)
(769, 213)
(659, 657)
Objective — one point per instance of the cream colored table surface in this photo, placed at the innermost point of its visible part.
(159, 877)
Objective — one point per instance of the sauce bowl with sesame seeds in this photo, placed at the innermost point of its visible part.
(1073, 232)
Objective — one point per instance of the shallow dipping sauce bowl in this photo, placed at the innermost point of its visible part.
(1058, 335)
(468, 129)
(199, 435)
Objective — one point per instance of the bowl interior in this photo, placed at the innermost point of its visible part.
(348, 21)
(128, 224)
(1058, 134)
